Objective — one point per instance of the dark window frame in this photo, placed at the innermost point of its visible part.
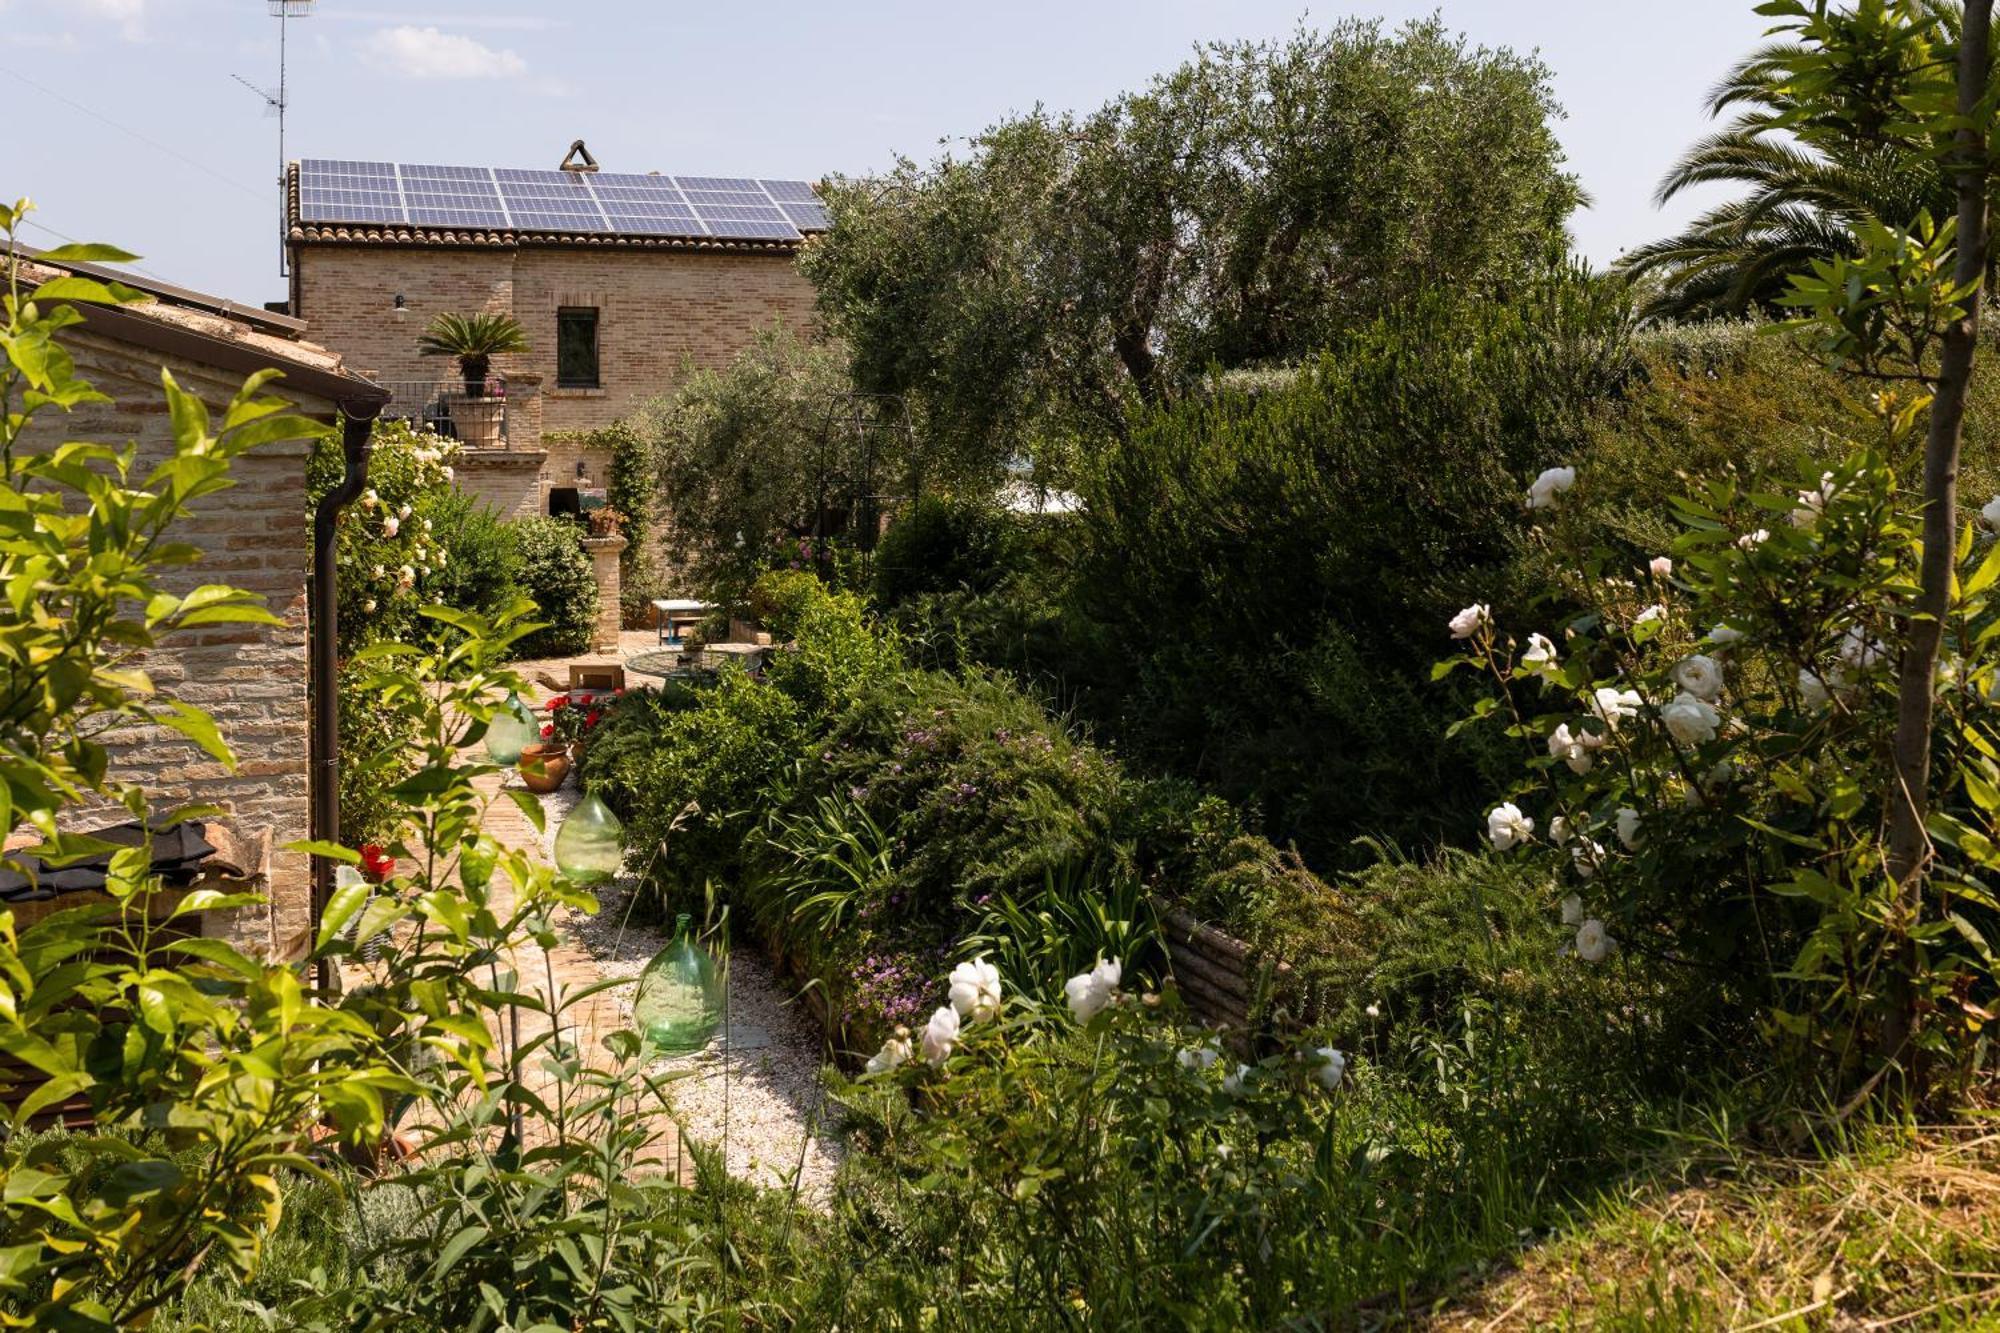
(565, 379)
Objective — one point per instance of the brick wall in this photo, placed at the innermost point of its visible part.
(659, 311)
(252, 679)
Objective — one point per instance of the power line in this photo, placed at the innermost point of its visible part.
(261, 195)
(65, 236)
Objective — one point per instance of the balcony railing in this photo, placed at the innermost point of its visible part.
(445, 407)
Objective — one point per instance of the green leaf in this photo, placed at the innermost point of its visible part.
(340, 909)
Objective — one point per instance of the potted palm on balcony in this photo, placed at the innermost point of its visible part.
(474, 340)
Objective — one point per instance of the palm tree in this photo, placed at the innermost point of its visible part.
(1809, 185)
(475, 340)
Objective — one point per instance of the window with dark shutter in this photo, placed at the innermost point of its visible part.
(576, 348)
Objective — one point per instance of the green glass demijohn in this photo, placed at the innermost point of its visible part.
(511, 731)
(590, 845)
(679, 1002)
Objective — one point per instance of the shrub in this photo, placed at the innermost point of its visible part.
(479, 566)
(386, 559)
(1711, 770)
(689, 772)
(831, 652)
(943, 545)
(556, 575)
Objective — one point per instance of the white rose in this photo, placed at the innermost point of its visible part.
(1813, 503)
(1614, 705)
(369, 499)
(975, 989)
(1722, 636)
(1628, 827)
(941, 1034)
(391, 526)
(1572, 909)
(1593, 943)
(1331, 1066)
(1553, 482)
(1750, 541)
(1858, 650)
(403, 513)
(1990, 512)
(1699, 675)
(1471, 620)
(1559, 830)
(1540, 657)
(1574, 747)
(894, 1052)
(1233, 1083)
(1650, 614)
(1813, 691)
(1691, 720)
(368, 607)
(1587, 855)
(448, 473)
(1660, 567)
(1091, 992)
(1506, 826)
(380, 572)
(1198, 1058)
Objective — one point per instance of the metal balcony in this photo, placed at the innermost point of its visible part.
(444, 407)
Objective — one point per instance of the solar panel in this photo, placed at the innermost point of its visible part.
(714, 183)
(790, 192)
(754, 231)
(439, 195)
(808, 217)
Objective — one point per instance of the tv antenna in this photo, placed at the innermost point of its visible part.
(275, 103)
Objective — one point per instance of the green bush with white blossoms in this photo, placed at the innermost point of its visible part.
(1052, 1134)
(1706, 762)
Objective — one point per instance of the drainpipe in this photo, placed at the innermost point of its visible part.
(356, 433)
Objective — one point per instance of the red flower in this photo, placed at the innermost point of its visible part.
(590, 718)
(548, 730)
(376, 863)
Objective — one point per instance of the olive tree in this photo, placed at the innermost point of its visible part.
(1240, 210)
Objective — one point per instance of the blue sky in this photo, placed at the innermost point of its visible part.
(125, 123)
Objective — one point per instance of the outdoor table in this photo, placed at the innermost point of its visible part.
(668, 610)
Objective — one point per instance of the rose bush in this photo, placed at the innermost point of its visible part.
(1716, 798)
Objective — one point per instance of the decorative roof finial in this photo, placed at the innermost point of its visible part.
(578, 159)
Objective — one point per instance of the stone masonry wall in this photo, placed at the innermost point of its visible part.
(658, 312)
(251, 678)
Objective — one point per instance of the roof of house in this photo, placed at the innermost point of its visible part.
(216, 331)
(329, 201)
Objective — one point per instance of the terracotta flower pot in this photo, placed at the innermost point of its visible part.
(544, 767)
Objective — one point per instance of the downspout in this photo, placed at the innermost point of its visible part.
(356, 436)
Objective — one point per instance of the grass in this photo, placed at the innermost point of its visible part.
(1900, 1230)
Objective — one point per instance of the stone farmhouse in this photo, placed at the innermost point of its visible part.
(621, 282)
(251, 678)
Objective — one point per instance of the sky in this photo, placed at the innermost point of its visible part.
(127, 123)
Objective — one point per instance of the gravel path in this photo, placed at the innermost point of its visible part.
(757, 1088)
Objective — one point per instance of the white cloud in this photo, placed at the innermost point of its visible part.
(41, 41)
(427, 53)
(129, 15)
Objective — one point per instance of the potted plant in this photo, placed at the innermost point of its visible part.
(544, 766)
(474, 340)
(604, 522)
(571, 721)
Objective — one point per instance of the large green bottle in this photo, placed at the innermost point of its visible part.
(512, 730)
(590, 845)
(679, 1002)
